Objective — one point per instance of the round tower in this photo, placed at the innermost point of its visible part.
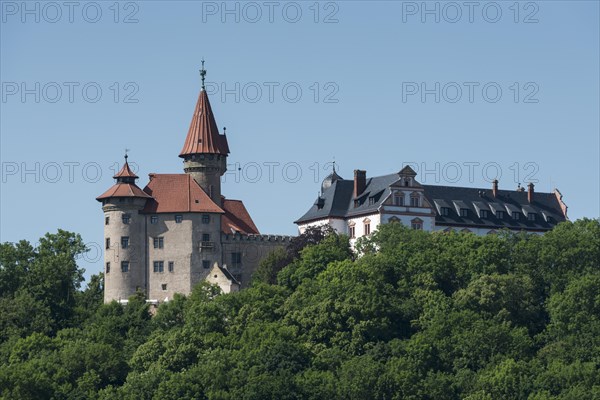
(125, 266)
(205, 151)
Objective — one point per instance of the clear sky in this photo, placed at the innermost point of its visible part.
(464, 91)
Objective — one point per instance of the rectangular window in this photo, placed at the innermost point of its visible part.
(164, 286)
(516, 215)
(124, 266)
(236, 259)
(171, 266)
(464, 212)
(159, 243)
(531, 216)
(108, 267)
(352, 232)
(371, 201)
(124, 242)
(106, 220)
(367, 229)
(205, 218)
(205, 264)
(445, 211)
(178, 219)
(417, 225)
(159, 266)
(107, 243)
(154, 219)
(125, 218)
(414, 202)
(500, 214)
(398, 200)
(484, 213)
(206, 237)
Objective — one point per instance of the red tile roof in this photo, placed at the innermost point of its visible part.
(203, 135)
(177, 193)
(125, 172)
(237, 218)
(123, 190)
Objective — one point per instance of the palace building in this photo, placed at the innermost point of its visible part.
(180, 229)
(356, 207)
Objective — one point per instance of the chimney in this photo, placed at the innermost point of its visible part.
(530, 192)
(495, 187)
(360, 181)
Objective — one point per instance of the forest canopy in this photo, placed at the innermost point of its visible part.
(417, 316)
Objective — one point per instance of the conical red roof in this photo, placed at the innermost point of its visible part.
(203, 135)
(125, 172)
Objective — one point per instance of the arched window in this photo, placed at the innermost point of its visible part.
(416, 223)
(394, 219)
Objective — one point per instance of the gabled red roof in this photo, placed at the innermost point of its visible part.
(125, 172)
(123, 190)
(237, 218)
(203, 135)
(177, 193)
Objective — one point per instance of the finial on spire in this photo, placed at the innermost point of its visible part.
(202, 73)
(224, 130)
(334, 165)
(126, 156)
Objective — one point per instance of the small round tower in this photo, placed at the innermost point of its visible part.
(125, 266)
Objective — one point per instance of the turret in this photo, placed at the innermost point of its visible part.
(125, 269)
(205, 151)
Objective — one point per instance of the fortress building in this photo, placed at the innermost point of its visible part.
(356, 207)
(180, 229)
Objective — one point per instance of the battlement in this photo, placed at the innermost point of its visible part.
(232, 237)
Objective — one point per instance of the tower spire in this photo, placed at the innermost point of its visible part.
(202, 74)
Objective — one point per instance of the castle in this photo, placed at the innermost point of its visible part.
(180, 229)
(356, 207)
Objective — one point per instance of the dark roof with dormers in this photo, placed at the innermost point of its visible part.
(338, 202)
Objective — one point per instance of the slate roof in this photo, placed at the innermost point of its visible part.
(338, 202)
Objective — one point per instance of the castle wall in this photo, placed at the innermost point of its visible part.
(253, 249)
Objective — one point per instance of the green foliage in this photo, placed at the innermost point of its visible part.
(417, 316)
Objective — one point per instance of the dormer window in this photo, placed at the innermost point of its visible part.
(371, 201)
(398, 199)
(415, 201)
(445, 211)
(531, 216)
(484, 213)
(464, 212)
(500, 214)
(516, 215)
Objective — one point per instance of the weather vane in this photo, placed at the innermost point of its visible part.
(203, 73)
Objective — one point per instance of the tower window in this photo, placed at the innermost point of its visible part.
(159, 266)
(154, 219)
(107, 243)
(205, 218)
(171, 266)
(159, 243)
(108, 267)
(205, 264)
(124, 266)
(106, 220)
(124, 242)
(236, 259)
(178, 218)
(126, 218)
(206, 237)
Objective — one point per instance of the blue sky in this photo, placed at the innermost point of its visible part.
(464, 93)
